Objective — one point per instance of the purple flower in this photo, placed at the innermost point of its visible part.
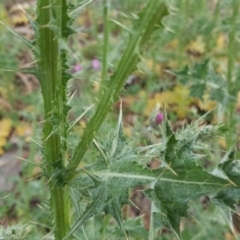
(159, 118)
(96, 64)
(77, 68)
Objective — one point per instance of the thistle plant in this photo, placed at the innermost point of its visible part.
(104, 184)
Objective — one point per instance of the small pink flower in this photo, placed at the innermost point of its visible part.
(77, 68)
(159, 118)
(95, 64)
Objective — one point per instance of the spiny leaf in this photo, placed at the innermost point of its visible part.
(133, 227)
(227, 198)
(198, 89)
(90, 211)
(218, 91)
(182, 75)
(108, 181)
(231, 167)
(29, 43)
(202, 79)
(173, 185)
(35, 71)
(154, 23)
(185, 181)
(67, 21)
(33, 24)
(198, 77)
(200, 70)
(75, 10)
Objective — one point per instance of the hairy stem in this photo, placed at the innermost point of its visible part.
(50, 61)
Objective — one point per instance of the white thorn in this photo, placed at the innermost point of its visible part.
(23, 159)
(70, 99)
(72, 125)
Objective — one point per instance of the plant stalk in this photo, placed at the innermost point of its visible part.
(151, 227)
(50, 61)
(105, 39)
(231, 138)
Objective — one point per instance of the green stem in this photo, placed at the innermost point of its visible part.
(231, 43)
(153, 14)
(209, 39)
(61, 209)
(184, 5)
(105, 40)
(151, 227)
(50, 65)
(230, 69)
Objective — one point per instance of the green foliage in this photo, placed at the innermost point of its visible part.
(110, 89)
(108, 180)
(178, 181)
(53, 23)
(202, 79)
(103, 185)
